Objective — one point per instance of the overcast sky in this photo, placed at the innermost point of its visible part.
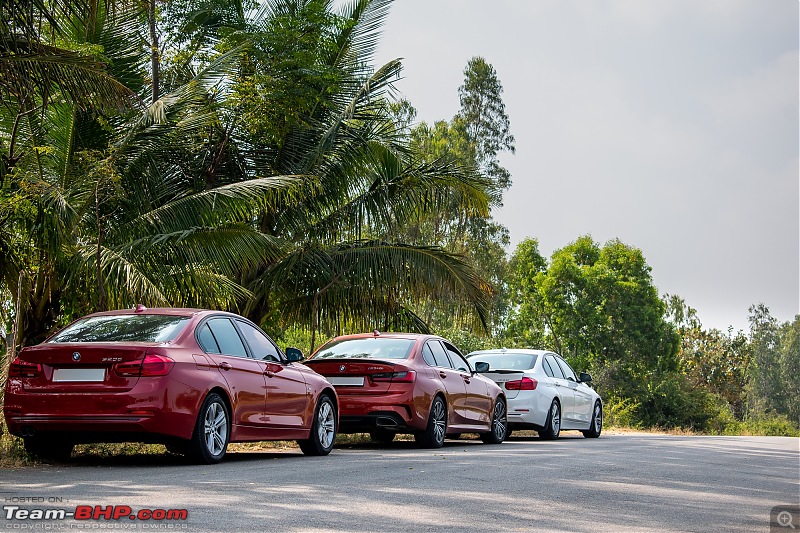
(669, 124)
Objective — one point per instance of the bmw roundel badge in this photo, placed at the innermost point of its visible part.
(341, 368)
(76, 356)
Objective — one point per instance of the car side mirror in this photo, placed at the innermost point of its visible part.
(585, 378)
(481, 367)
(293, 355)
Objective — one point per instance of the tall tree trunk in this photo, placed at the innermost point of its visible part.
(11, 340)
(154, 53)
(101, 289)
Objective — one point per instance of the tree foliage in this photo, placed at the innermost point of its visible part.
(265, 177)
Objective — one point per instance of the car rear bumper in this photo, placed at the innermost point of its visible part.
(386, 420)
(151, 407)
(528, 410)
(395, 412)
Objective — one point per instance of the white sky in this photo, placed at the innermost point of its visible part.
(671, 125)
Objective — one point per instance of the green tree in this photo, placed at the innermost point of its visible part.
(716, 361)
(189, 202)
(790, 367)
(484, 120)
(773, 382)
(473, 139)
(599, 308)
(527, 325)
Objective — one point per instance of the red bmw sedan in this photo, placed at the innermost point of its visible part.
(192, 379)
(391, 383)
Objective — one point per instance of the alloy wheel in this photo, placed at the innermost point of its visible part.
(326, 425)
(500, 421)
(216, 428)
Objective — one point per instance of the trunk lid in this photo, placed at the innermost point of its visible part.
(501, 377)
(82, 367)
(356, 376)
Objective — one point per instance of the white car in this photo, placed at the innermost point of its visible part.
(543, 392)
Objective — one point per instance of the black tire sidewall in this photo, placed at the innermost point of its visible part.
(548, 432)
(427, 439)
(199, 448)
(592, 432)
(490, 437)
(312, 445)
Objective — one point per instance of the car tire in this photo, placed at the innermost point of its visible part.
(433, 436)
(499, 424)
(382, 436)
(323, 429)
(212, 431)
(48, 449)
(597, 423)
(553, 427)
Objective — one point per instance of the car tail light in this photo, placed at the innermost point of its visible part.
(522, 384)
(24, 369)
(151, 365)
(407, 376)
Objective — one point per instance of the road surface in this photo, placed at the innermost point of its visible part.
(620, 482)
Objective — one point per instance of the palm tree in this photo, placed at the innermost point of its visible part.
(195, 201)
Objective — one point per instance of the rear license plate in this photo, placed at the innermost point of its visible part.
(347, 381)
(79, 374)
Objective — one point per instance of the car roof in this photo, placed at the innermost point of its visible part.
(390, 335)
(175, 311)
(525, 351)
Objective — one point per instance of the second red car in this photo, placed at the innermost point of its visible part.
(391, 383)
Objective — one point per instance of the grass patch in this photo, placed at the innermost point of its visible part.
(13, 455)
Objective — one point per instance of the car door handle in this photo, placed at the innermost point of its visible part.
(466, 378)
(225, 366)
(269, 373)
(442, 374)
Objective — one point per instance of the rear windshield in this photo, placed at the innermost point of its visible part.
(505, 361)
(366, 348)
(123, 328)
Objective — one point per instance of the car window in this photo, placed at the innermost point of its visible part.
(427, 355)
(226, 336)
(505, 360)
(123, 328)
(260, 345)
(439, 356)
(206, 340)
(457, 359)
(568, 373)
(366, 348)
(546, 368)
(557, 373)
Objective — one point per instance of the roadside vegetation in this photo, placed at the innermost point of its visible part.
(250, 156)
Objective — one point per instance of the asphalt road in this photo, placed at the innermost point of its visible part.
(620, 482)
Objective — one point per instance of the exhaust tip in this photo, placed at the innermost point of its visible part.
(28, 431)
(385, 422)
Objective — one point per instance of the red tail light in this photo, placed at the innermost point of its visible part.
(522, 384)
(24, 369)
(151, 365)
(406, 376)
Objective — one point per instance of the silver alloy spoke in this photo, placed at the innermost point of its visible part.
(326, 425)
(438, 421)
(500, 420)
(556, 419)
(216, 428)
